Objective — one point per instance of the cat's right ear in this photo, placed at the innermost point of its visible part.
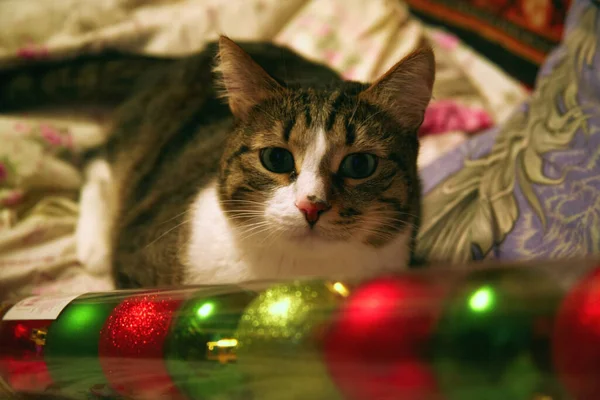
(405, 89)
(243, 82)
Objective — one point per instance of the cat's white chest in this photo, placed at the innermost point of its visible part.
(215, 255)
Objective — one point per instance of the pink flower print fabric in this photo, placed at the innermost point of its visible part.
(449, 116)
(32, 51)
(3, 172)
(51, 135)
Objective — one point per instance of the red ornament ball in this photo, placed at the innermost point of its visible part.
(576, 345)
(131, 347)
(375, 348)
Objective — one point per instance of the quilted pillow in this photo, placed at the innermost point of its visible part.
(529, 188)
(515, 34)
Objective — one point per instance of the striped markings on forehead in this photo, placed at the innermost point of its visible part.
(321, 111)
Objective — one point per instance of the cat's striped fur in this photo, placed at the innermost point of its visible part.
(179, 194)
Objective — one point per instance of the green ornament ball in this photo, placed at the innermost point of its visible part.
(71, 350)
(493, 340)
(201, 347)
(281, 338)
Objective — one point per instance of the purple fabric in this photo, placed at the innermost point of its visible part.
(545, 160)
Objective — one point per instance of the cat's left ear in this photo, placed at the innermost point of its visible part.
(243, 81)
(405, 89)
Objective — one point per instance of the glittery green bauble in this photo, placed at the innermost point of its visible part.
(280, 340)
(71, 350)
(201, 348)
(493, 340)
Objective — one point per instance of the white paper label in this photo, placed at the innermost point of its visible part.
(39, 307)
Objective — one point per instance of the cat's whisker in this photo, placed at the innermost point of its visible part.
(275, 234)
(402, 228)
(175, 217)
(248, 217)
(385, 221)
(241, 201)
(397, 227)
(244, 229)
(245, 216)
(244, 211)
(227, 205)
(386, 218)
(393, 220)
(252, 224)
(255, 231)
(391, 212)
(376, 232)
(167, 232)
(280, 233)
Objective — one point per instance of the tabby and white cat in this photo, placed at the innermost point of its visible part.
(299, 174)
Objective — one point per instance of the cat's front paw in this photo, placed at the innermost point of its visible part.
(95, 259)
(92, 234)
(93, 251)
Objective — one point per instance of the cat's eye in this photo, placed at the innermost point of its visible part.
(358, 165)
(277, 159)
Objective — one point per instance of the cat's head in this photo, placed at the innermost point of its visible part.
(321, 165)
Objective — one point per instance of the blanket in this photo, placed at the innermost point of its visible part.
(40, 168)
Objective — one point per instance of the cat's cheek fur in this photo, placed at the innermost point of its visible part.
(211, 256)
(281, 211)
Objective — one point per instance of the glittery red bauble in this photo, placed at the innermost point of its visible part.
(375, 347)
(576, 342)
(131, 347)
(22, 363)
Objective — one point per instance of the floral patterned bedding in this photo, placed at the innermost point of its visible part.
(39, 153)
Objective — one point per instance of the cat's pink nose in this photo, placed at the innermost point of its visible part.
(312, 210)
